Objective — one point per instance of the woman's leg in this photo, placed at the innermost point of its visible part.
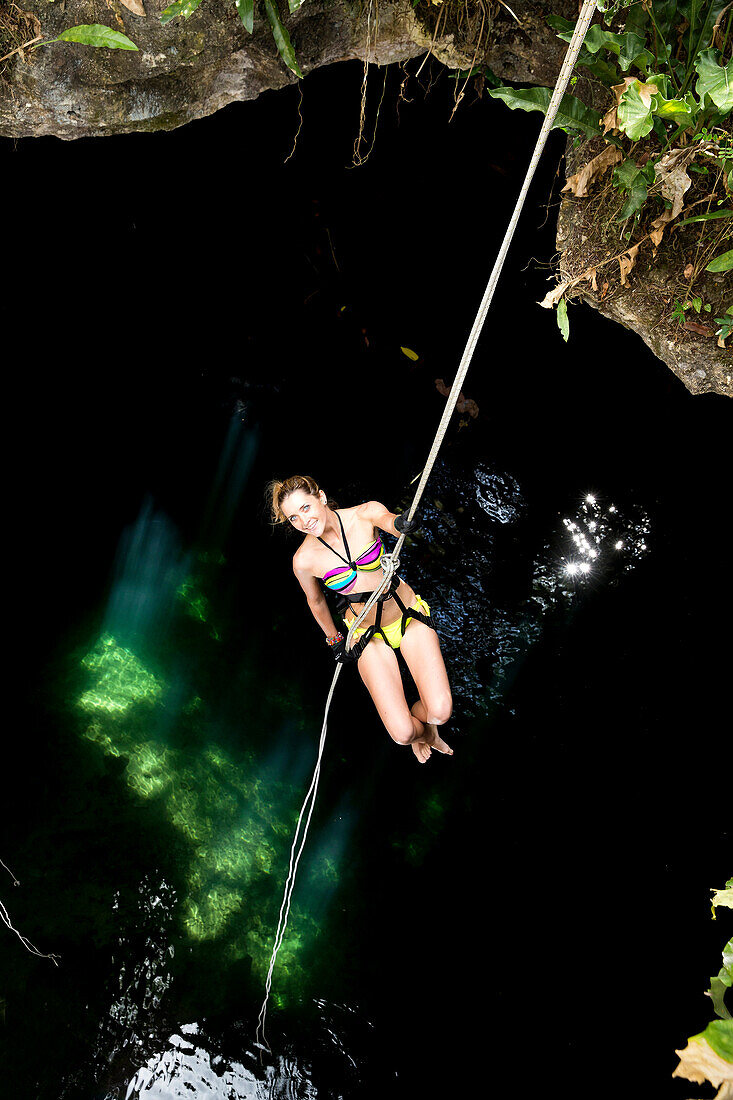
(421, 649)
(380, 672)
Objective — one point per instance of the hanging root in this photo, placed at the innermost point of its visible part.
(358, 159)
(4, 917)
(300, 122)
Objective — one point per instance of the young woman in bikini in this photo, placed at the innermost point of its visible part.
(399, 620)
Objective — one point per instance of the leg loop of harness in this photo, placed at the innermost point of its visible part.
(412, 613)
(407, 613)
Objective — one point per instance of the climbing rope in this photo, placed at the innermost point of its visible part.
(391, 562)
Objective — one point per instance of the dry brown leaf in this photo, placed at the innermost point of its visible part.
(658, 226)
(721, 342)
(604, 291)
(718, 41)
(580, 181)
(619, 89)
(134, 6)
(646, 91)
(695, 326)
(610, 121)
(700, 1063)
(592, 278)
(626, 262)
(463, 404)
(553, 296)
(689, 271)
(672, 172)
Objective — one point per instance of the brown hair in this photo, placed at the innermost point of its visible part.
(277, 491)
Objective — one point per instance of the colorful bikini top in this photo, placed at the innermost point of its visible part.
(343, 577)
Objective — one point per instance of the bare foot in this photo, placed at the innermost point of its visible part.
(433, 740)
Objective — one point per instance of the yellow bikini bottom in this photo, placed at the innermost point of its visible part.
(393, 631)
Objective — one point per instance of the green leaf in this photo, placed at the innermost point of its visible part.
(706, 217)
(601, 70)
(180, 7)
(628, 47)
(293, 5)
(724, 262)
(95, 34)
(661, 80)
(246, 11)
(562, 319)
(679, 111)
(625, 173)
(722, 982)
(714, 10)
(632, 52)
(627, 176)
(638, 193)
(563, 26)
(282, 38)
(634, 115)
(719, 1037)
(714, 80)
(572, 115)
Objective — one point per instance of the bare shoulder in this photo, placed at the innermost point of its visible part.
(376, 513)
(303, 558)
(370, 509)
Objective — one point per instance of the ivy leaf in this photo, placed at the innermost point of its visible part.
(185, 8)
(572, 114)
(714, 80)
(719, 1037)
(282, 38)
(724, 262)
(635, 110)
(628, 177)
(628, 47)
(679, 111)
(722, 982)
(709, 1056)
(95, 34)
(662, 82)
(246, 11)
(562, 319)
(632, 52)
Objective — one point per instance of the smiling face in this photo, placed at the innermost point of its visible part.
(305, 512)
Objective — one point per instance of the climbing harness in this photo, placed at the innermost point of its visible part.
(341, 579)
(390, 562)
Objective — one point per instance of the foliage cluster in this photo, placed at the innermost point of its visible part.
(708, 1056)
(665, 72)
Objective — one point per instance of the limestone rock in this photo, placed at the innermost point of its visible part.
(190, 68)
(655, 283)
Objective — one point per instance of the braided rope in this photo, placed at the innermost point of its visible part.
(391, 562)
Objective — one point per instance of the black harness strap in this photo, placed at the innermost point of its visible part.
(346, 559)
(344, 601)
(407, 613)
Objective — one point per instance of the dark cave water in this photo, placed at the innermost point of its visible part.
(534, 909)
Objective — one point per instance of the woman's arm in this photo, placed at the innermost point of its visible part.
(316, 600)
(377, 514)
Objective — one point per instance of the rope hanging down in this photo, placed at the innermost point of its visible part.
(390, 562)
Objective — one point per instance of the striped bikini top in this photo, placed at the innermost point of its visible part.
(343, 577)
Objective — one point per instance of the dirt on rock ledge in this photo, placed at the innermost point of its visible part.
(590, 241)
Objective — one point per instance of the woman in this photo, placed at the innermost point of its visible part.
(399, 619)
